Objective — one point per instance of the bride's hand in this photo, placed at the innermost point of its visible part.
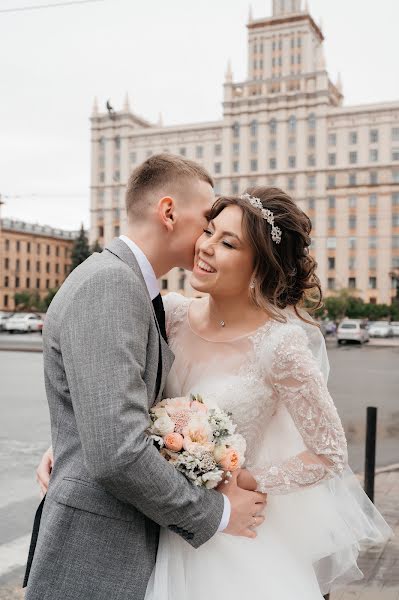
(246, 481)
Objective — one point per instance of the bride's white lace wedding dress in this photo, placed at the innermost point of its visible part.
(273, 381)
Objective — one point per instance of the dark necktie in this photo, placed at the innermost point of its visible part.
(160, 315)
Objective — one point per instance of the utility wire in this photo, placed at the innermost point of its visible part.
(44, 6)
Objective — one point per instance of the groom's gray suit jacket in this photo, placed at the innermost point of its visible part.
(110, 488)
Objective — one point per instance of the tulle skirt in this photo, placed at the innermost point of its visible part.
(307, 546)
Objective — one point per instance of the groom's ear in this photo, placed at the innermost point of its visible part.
(167, 212)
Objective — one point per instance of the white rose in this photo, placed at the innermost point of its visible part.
(163, 425)
(212, 479)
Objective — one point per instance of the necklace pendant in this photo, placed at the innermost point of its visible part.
(222, 324)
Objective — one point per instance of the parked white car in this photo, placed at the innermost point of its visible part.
(381, 329)
(352, 330)
(395, 328)
(24, 323)
(3, 319)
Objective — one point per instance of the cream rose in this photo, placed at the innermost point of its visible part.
(163, 425)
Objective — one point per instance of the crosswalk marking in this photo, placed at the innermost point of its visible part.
(14, 554)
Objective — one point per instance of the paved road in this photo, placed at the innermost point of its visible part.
(359, 377)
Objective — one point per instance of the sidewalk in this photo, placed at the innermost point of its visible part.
(380, 566)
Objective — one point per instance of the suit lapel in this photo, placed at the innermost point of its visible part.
(123, 252)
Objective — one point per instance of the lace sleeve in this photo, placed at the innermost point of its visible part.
(300, 385)
(175, 308)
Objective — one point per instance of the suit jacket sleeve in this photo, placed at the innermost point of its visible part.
(104, 337)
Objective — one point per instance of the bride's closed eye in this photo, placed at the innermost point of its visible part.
(208, 232)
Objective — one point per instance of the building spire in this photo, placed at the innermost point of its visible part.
(95, 106)
(286, 7)
(126, 105)
(229, 72)
(339, 83)
(250, 14)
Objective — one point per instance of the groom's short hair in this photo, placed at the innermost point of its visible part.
(161, 172)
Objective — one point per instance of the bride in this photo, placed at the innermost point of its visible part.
(249, 348)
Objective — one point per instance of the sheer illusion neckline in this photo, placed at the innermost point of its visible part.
(247, 335)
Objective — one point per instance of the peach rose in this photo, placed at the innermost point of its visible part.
(230, 460)
(173, 441)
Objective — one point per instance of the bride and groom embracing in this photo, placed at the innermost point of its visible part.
(119, 521)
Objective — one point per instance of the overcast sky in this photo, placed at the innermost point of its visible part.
(170, 55)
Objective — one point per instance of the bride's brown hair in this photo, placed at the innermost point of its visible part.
(284, 273)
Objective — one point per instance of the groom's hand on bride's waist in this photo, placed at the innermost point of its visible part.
(44, 469)
(247, 505)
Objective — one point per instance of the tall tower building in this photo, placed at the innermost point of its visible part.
(285, 125)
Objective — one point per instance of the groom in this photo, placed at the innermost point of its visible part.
(106, 361)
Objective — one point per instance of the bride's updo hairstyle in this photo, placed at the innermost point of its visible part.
(284, 272)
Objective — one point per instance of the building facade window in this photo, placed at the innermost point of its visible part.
(352, 222)
(218, 149)
(331, 263)
(292, 124)
(291, 183)
(272, 163)
(254, 147)
(395, 134)
(372, 221)
(352, 201)
(373, 136)
(395, 199)
(352, 158)
(199, 151)
(312, 121)
(312, 141)
(332, 139)
(218, 167)
(331, 201)
(331, 243)
(291, 162)
(235, 187)
(182, 151)
(311, 181)
(395, 220)
(373, 177)
(372, 262)
(332, 159)
(373, 155)
(331, 222)
(273, 126)
(352, 243)
(395, 154)
(236, 166)
(373, 200)
(372, 283)
(331, 283)
(254, 164)
(236, 130)
(236, 149)
(352, 283)
(331, 181)
(372, 242)
(353, 137)
(253, 128)
(352, 179)
(311, 160)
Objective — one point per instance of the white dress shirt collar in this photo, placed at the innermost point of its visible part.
(145, 267)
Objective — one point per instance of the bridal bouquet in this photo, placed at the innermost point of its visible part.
(198, 441)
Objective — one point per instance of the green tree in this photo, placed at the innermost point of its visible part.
(81, 249)
(28, 301)
(96, 247)
(48, 299)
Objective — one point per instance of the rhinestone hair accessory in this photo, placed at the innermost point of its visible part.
(266, 214)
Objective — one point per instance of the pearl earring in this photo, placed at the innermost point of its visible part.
(252, 284)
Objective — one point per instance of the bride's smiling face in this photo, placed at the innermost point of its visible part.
(224, 259)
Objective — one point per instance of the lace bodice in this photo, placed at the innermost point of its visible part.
(273, 381)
